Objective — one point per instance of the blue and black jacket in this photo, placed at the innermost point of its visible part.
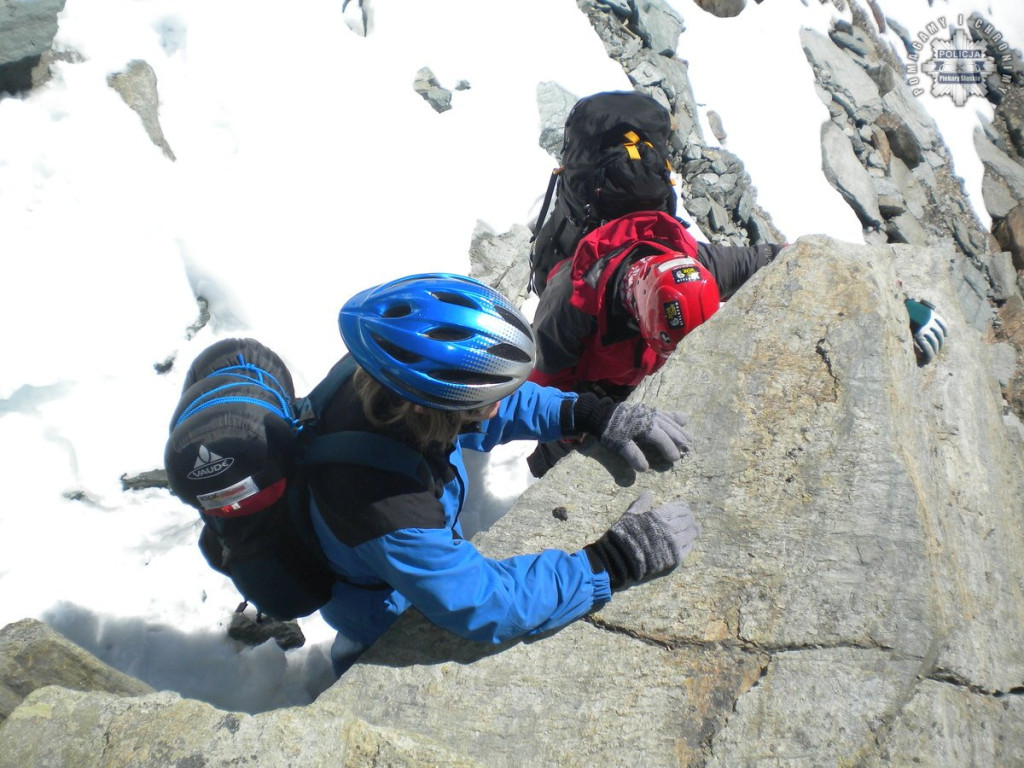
(395, 541)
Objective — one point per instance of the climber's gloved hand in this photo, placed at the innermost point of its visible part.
(644, 542)
(631, 424)
(929, 329)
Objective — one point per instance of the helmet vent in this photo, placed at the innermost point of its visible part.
(513, 319)
(458, 299)
(401, 355)
(469, 377)
(449, 334)
(510, 352)
(397, 310)
(438, 400)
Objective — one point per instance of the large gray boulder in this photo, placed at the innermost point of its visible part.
(33, 656)
(1003, 186)
(553, 105)
(659, 25)
(844, 172)
(723, 8)
(855, 596)
(60, 727)
(501, 261)
(137, 86)
(27, 29)
(436, 95)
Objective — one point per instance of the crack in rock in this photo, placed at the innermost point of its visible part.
(951, 678)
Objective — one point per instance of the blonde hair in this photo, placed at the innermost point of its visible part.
(429, 426)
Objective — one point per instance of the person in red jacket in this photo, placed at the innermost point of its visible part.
(615, 311)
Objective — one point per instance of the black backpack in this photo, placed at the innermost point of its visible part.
(615, 160)
(239, 451)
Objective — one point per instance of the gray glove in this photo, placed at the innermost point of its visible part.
(645, 542)
(632, 423)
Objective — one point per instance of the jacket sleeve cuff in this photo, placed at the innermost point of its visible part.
(589, 414)
(565, 417)
(602, 582)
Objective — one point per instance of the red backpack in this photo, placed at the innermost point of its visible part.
(620, 361)
(656, 231)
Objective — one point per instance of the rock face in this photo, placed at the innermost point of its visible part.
(855, 595)
(905, 191)
(723, 8)
(1000, 146)
(137, 86)
(553, 104)
(60, 727)
(33, 656)
(885, 155)
(427, 86)
(1010, 234)
(497, 260)
(27, 29)
(358, 16)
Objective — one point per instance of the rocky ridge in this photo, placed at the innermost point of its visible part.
(885, 155)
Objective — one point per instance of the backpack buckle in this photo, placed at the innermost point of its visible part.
(304, 414)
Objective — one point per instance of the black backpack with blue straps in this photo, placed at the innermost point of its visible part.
(615, 158)
(239, 451)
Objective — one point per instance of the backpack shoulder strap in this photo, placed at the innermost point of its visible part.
(313, 404)
(547, 201)
(367, 449)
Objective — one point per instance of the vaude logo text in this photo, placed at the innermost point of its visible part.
(958, 66)
(209, 464)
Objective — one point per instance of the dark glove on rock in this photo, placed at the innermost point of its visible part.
(634, 423)
(773, 251)
(929, 329)
(645, 542)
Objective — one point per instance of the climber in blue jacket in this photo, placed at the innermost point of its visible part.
(443, 362)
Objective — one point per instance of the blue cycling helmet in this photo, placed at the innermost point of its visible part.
(443, 341)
